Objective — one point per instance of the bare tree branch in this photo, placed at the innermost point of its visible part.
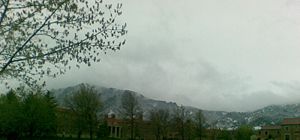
(25, 43)
(4, 12)
(26, 6)
(34, 35)
(65, 48)
(16, 22)
(2, 3)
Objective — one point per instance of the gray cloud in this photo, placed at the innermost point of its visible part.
(219, 55)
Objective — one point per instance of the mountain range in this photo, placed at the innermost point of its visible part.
(111, 99)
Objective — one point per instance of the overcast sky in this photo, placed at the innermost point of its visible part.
(232, 55)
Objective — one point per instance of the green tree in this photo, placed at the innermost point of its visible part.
(185, 124)
(130, 109)
(42, 37)
(180, 118)
(225, 135)
(189, 129)
(10, 115)
(103, 131)
(85, 103)
(38, 109)
(160, 121)
(29, 113)
(244, 132)
(199, 124)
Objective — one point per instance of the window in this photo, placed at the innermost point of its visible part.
(118, 129)
(109, 128)
(113, 130)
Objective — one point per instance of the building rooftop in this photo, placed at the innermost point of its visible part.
(288, 121)
(270, 127)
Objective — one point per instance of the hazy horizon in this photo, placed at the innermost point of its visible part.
(216, 55)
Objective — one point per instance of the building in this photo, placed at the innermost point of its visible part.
(119, 128)
(269, 133)
(114, 126)
(290, 129)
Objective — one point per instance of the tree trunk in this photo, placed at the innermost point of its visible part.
(131, 129)
(79, 134)
(91, 130)
(200, 133)
(91, 133)
(12, 136)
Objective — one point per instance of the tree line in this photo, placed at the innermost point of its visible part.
(27, 113)
(34, 113)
